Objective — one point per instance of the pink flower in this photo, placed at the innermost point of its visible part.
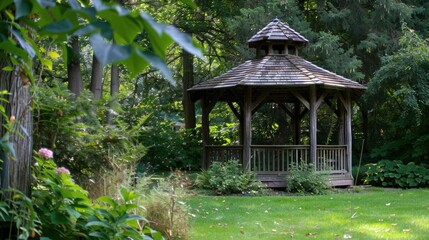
(62, 170)
(46, 153)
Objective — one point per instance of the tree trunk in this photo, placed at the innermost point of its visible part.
(73, 68)
(96, 78)
(188, 81)
(16, 171)
(114, 88)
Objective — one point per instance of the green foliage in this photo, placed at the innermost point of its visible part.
(359, 174)
(170, 149)
(114, 219)
(61, 209)
(399, 93)
(100, 21)
(165, 207)
(228, 178)
(395, 173)
(81, 142)
(303, 179)
(18, 218)
(58, 201)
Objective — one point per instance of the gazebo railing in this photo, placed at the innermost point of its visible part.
(277, 159)
(332, 159)
(223, 153)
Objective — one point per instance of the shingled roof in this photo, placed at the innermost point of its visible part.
(278, 71)
(277, 31)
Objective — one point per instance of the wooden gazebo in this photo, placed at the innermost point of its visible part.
(279, 76)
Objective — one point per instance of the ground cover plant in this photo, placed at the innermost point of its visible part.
(388, 173)
(370, 214)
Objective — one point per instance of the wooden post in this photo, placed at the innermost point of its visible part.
(341, 122)
(297, 123)
(349, 131)
(313, 126)
(241, 130)
(205, 121)
(247, 134)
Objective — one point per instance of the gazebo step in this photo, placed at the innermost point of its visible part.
(279, 180)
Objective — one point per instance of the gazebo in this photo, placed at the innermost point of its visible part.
(298, 87)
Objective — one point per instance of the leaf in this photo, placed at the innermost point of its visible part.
(8, 69)
(151, 24)
(136, 217)
(108, 53)
(135, 63)
(106, 199)
(63, 26)
(23, 8)
(184, 40)
(24, 44)
(46, 3)
(96, 26)
(98, 224)
(53, 55)
(24, 130)
(75, 5)
(160, 65)
(99, 5)
(6, 145)
(190, 3)
(123, 35)
(59, 218)
(99, 235)
(47, 63)
(125, 194)
(4, 4)
(73, 212)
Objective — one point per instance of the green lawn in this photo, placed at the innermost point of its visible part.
(371, 214)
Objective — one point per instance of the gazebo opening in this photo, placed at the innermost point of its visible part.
(289, 111)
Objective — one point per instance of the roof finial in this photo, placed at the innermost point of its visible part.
(276, 19)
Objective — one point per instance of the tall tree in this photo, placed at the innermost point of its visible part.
(17, 142)
(399, 94)
(188, 82)
(114, 89)
(74, 75)
(96, 86)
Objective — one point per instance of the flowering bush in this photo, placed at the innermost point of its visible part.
(62, 170)
(46, 153)
(61, 209)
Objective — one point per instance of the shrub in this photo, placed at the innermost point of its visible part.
(361, 175)
(170, 149)
(395, 173)
(227, 178)
(303, 179)
(61, 209)
(70, 126)
(165, 206)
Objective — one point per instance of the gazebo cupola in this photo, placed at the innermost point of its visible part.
(276, 38)
(297, 87)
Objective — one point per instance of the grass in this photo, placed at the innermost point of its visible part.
(370, 214)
